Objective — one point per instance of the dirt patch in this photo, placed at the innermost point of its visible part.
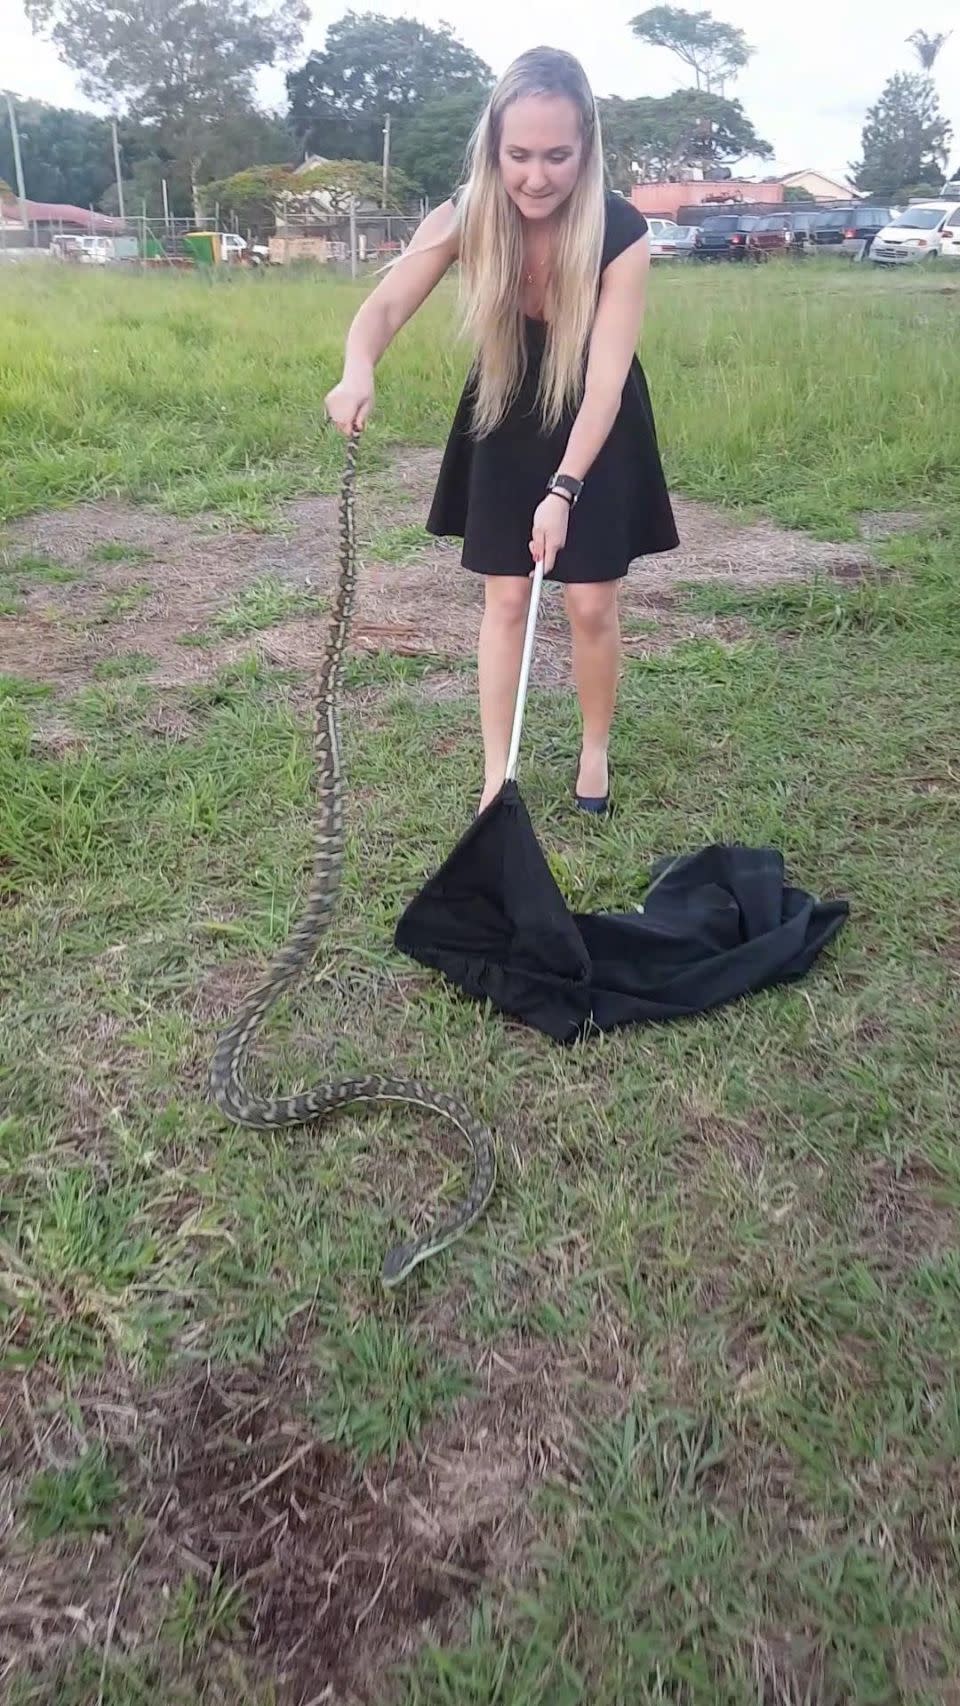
(906, 1213)
(331, 1574)
(185, 573)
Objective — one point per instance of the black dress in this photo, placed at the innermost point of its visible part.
(488, 488)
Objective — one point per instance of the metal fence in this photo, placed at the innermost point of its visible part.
(350, 241)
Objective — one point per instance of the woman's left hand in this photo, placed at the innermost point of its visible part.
(549, 535)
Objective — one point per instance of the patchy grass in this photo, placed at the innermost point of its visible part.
(76, 1500)
(398, 544)
(264, 603)
(116, 551)
(678, 1420)
(123, 665)
(27, 569)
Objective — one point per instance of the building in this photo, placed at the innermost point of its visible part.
(820, 186)
(664, 201)
(46, 217)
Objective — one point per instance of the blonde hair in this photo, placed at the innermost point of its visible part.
(491, 252)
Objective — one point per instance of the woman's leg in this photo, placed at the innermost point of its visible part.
(506, 599)
(595, 631)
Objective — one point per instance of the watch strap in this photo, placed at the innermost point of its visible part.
(566, 486)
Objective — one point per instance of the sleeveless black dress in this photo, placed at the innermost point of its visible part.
(488, 488)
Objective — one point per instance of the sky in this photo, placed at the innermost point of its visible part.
(816, 68)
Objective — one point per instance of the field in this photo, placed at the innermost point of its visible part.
(680, 1419)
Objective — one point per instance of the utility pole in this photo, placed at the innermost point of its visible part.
(116, 167)
(17, 162)
(386, 160)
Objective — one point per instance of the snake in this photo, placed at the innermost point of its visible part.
(227, 1081)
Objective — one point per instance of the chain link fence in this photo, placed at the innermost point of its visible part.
(351, 242)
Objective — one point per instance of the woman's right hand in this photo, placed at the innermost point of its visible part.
(349, 403)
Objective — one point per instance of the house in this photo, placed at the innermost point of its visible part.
(820, 186)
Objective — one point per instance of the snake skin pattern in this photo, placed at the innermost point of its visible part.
(227, 1084)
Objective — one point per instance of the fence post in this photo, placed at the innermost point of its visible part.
(353, 236)
(143, 235)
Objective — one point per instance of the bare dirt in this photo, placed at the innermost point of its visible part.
(184, 573)
(232, 1486)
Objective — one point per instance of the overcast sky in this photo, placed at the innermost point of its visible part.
(816, 69)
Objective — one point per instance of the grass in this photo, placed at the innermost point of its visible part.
(678, 1421)
(115, 391)
(262, 604)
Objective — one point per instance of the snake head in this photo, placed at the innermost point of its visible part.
(399, 1263)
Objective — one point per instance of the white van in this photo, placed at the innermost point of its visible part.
(924, 231)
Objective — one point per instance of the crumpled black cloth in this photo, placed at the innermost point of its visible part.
(717, 924)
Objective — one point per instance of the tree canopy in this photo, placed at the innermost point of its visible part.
(184, 68)
(714, 51)
(171, 60)
(372, 67)
(663, 136)
(431, 144)
(67, 156)
(905, 140)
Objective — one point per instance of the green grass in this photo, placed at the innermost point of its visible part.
(398, 544)
(27, 569)
(75, 1500)
(115, 551)
(265, 602)
(676, 1421)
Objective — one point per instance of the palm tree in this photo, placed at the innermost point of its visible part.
(927, 47)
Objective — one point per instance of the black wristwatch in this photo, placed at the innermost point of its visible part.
(566, 487)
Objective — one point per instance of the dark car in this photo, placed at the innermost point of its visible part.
(723, 237)
(849, 230)
(781, 233)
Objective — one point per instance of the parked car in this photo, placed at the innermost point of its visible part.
(849, 230)
(723, 237)
(664, 235)
(786, 231)
(922, 232)
(686, 241)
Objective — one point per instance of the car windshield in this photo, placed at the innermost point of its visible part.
(919, 218)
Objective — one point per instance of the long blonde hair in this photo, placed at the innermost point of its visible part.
(491, 252)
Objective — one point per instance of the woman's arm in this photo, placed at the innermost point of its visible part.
(613, 345)
(430, 254)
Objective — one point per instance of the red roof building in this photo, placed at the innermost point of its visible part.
(58, 214)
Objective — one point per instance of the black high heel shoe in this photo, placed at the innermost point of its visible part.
(597, 804)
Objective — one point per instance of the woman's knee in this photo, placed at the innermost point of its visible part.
(507, 599)
(592, 608)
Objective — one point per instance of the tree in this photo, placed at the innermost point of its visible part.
(338, 181)
(713, 50)
(905, 140)
(179, 66)
(67, 156)
(796, 192)
(252, 196)
(657, 139)
(371, 68)
(431, 145)
(928, 47)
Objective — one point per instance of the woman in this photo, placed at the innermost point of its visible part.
(553, 452)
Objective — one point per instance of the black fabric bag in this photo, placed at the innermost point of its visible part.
(716, 923)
